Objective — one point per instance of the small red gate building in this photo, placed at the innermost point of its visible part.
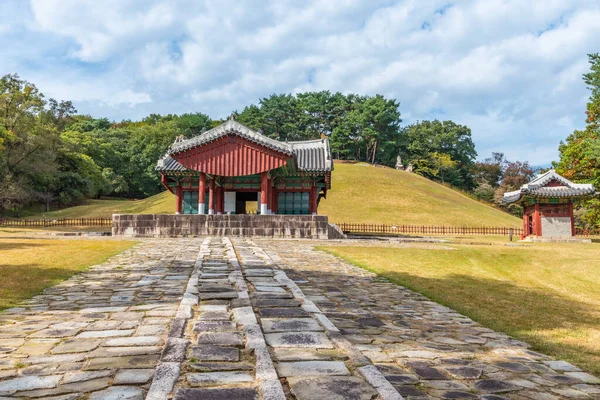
(548, 204)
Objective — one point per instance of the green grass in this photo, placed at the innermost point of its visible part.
(360, 194)
(163, 203)
(544, 294)
(28, 266)
(365, 194)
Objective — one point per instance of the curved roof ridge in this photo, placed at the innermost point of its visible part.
(547, 177)
(312, 155)
(538, 187)
(308, 141)
(228, 127)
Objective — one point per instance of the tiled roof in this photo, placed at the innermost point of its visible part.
(169, 164)
(537, 188)
(229, 127)
(310, 155)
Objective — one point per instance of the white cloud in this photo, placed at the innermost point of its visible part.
(78, 89)
(510, 69)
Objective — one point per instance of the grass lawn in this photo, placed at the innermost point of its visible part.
(545, 294)
(362, 193)
(27, 266)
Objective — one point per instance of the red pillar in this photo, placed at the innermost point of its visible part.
(264, 184)
(525, 223)
(218, 209)
(573, 232)
(537, 221)
(211, 196)
(313, 200)
(202, 193)
(222, 202)
(269, 196)
(178, 199)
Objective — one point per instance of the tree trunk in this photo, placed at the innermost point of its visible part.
(374, 153)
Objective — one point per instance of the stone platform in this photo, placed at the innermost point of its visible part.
(555, 239)
(168, 225)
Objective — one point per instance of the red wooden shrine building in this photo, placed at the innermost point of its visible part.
(548, 204)
(223, 170)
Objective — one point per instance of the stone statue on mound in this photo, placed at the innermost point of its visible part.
(409, 168)
(399, 162)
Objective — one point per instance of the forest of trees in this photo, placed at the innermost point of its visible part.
(52, 155)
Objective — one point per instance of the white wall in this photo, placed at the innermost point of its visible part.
(556, 227)
(229, 202)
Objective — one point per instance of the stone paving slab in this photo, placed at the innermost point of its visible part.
(299, 341)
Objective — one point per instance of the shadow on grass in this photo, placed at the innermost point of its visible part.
(8, 243)
(527, 314)
(502, 303)
(551, 322)
(18, 283)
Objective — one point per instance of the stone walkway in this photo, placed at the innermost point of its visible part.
(99, 329)
(221, 318)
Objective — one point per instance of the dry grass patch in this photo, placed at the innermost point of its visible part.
(28, 266)
(544, 294)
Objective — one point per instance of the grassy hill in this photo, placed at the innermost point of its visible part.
(163, 203)
(360, 194)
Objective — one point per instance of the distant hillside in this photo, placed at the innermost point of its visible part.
(360, 193)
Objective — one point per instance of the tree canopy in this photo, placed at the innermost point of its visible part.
(580, 152)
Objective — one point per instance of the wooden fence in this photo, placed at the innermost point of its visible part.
(345, 227)
(446, 230)
(428, 229)
(43, 223)
(587, 232)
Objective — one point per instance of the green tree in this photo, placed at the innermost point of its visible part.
(320, 112)
(372, 123)
(364, 128)
(193, 124)
(278, 117)
(146, 145)
(251, 116)
(489, 171)
(30, 133)
(24, 137)
(435, 165)
(487, 175)
(423, 142)
(580, 152)
(515, 175)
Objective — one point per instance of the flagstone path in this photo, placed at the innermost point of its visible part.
(222, 318)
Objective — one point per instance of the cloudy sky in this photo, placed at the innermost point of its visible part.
(510, 70)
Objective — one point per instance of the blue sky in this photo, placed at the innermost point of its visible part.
(510, 70)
